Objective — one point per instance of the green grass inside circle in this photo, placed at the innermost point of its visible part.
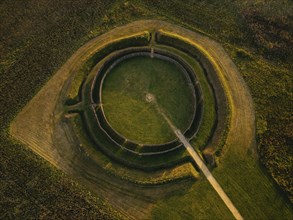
(132, 114)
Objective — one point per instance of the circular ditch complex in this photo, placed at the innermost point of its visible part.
(135, 89)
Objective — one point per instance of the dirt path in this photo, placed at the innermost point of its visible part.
(208, 175)
(201, 165)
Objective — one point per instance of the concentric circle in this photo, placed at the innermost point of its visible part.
(138, 91)
(159, 93)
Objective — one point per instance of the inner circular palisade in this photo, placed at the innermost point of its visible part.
(138, 89)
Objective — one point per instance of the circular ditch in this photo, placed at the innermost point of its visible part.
(134, 88)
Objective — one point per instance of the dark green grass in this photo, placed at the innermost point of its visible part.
(125, 105)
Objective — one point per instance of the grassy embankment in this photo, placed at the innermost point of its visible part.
(208, 114)
(180, 172)
(208, 121)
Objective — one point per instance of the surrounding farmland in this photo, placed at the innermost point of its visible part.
(37, 37)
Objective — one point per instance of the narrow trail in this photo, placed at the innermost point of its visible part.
(208, 175)
(201, 165)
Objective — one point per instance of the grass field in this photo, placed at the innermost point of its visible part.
(125, 105)
(37, 38)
